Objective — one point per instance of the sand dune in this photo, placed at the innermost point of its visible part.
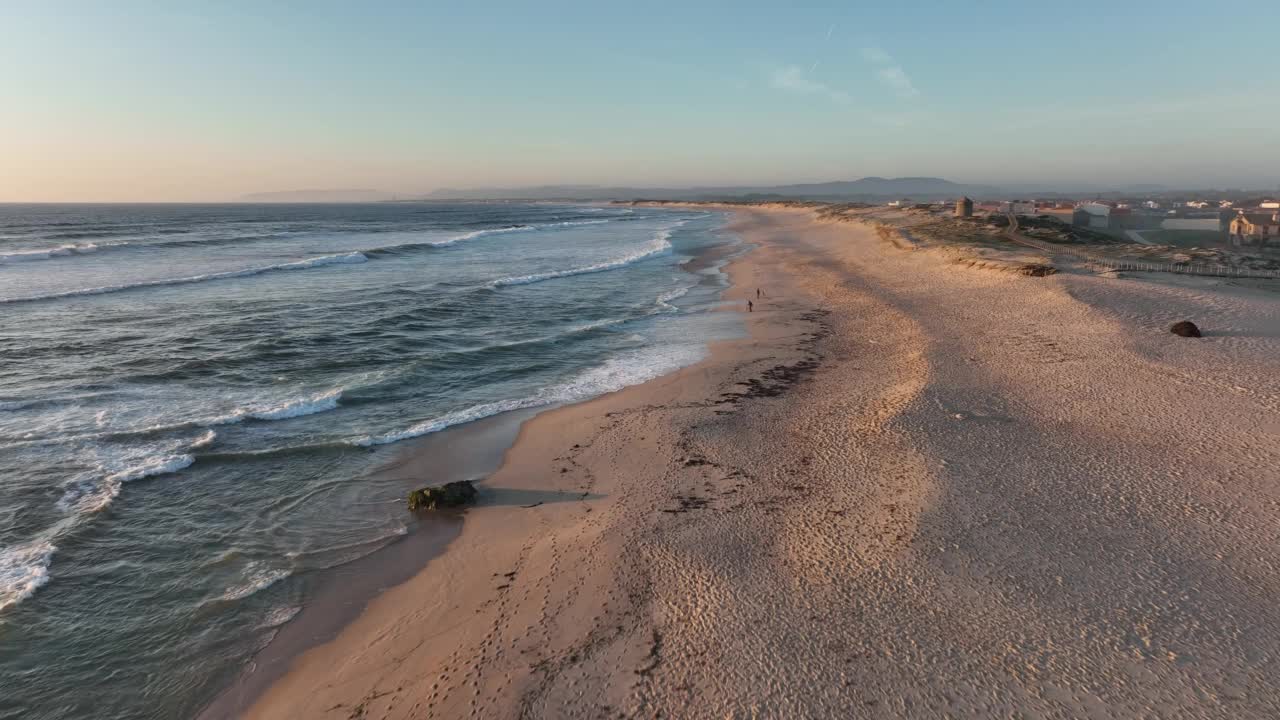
(916, 490)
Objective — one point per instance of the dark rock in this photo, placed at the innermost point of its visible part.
(448, 495)
(1186, 328)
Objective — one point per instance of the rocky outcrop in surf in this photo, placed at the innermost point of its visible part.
(449, 495)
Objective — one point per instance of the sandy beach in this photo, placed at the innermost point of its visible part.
(915, 489)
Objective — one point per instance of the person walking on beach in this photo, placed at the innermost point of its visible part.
(750, 306)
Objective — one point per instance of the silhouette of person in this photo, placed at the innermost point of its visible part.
(750, 306)
(757, 293)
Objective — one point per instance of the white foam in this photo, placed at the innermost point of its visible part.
(257, 578)
(574, 223)
(664, 300)
(158, 465)
(475, 412)
(90, 497)
(597, 324)
(628, 369)
(614, 374)
(659, 245)
(203, 441)
(95, 490)
(343, 553)
(297, 408)
(343, 259)
(23, 570)
(279, 616)
(46, 253)
(482, 233)
(490, 231)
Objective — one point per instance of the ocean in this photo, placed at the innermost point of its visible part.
(195, 401)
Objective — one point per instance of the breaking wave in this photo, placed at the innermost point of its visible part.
(23, 570)
(392, 249)
(343, 259)
(92, 494)
(296, 407)
(660, 245)
(47, 253)
(322, 402)
(257, 578)
(614, 374)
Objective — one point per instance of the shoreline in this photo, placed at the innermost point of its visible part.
(472, 451)
(345, 590)
(532, 434)
(892, 498)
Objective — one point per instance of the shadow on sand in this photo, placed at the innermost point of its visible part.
(1238, 333)
(499, 496)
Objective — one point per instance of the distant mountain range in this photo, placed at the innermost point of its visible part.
(870, 188)
(318, 196)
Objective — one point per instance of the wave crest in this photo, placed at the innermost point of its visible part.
(660, 245)
(612, 375)
(23, 570)
(297, 408)
(46, 253)
(258, 577)
(342, 259)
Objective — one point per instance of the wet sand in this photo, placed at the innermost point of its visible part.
(466, 452)
(915, 489)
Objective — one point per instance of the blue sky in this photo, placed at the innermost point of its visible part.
(185, 101)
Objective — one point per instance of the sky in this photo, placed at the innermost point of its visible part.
(184, 101)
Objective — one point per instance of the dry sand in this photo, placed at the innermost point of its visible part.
(940, 492)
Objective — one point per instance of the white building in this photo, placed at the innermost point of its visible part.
(1018, 207)
(1270, 205)
(1094, 215)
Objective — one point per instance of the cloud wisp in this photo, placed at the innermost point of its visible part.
(793, 78)
(890, 73)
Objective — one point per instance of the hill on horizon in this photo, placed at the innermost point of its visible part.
(318, 196)
(867, 188)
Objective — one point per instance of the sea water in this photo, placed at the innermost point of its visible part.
(193, 399)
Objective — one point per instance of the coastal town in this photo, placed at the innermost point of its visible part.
(1233, 237)
(1241, 222)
